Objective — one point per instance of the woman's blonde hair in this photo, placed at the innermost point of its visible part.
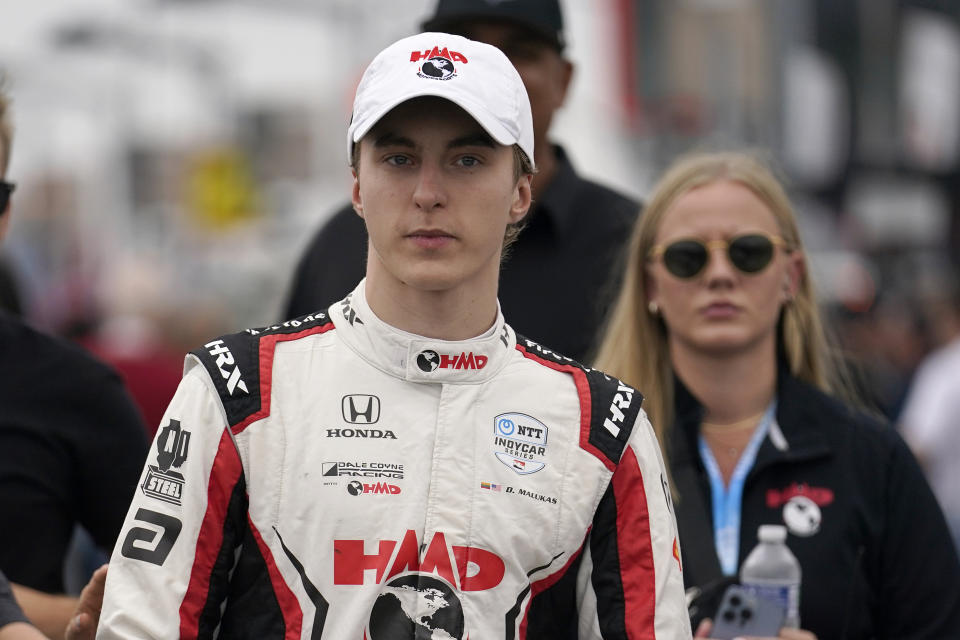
(634, 343)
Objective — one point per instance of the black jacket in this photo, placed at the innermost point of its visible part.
(878, 562)
(555, 285)
(72, 444)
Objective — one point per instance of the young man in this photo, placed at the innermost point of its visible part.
(560, 275)
(403, 465)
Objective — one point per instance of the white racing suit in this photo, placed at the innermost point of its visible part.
(335, 478)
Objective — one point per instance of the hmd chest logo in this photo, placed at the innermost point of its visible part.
(430, 360)
(227, 366)
(162, 482)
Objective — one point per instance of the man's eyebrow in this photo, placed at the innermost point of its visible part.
(390, 139)
(477, 139)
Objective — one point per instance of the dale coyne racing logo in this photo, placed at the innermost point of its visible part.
(162, 482)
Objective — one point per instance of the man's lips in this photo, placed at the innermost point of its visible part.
(430, 238)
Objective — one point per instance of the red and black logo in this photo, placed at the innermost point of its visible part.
(430, 361)
(438, 63)
(357, 488)
(418, 598)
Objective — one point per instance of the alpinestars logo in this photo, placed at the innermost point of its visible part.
(161, 481)
(438, 63)
(430, 361)
(349, 314)
(225, 359)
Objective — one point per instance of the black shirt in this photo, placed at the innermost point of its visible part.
(876, 558)
(9, 609)
(555, 285)
(72, 445)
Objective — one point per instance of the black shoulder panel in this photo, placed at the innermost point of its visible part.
(614, 405)
(233, 362)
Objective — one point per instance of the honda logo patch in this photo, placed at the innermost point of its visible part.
(361, 409)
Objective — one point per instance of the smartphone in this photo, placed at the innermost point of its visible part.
(743, 614)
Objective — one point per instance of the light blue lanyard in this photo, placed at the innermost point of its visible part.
(727, 501)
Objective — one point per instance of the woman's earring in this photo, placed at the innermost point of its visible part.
(653, 308)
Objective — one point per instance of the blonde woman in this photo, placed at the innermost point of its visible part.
(717, 324)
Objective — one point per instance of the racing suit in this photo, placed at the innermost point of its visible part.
(336, 478)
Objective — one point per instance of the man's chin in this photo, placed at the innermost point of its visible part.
(430, 283)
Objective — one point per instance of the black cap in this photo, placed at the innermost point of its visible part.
(541, 16)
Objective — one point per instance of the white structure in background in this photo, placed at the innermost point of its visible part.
(105, 88)
(930, 91)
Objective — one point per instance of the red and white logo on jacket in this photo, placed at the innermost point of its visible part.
(430, 360)
(418, 596)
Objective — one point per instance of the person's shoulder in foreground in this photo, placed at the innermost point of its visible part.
(64, 414)
(13, 624)
(398, 466)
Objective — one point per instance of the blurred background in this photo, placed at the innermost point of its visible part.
(173, 157)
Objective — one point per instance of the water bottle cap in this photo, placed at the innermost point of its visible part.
(772, 533)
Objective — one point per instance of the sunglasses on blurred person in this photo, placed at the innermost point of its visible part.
(6, 188)
(749, 253)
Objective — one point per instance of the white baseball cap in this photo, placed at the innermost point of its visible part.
(473, 75)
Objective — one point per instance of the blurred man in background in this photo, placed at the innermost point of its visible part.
(930, 421)
(557, 279)
(71, 447)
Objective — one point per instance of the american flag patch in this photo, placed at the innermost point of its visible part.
(491, 486)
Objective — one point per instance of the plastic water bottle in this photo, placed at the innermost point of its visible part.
(771, 571)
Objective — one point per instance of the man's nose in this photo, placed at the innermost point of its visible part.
(430, 192)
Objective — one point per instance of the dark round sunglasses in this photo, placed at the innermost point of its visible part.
(750, 253)
(6, 188)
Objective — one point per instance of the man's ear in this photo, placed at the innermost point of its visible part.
(355, 197)
(523, 198)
